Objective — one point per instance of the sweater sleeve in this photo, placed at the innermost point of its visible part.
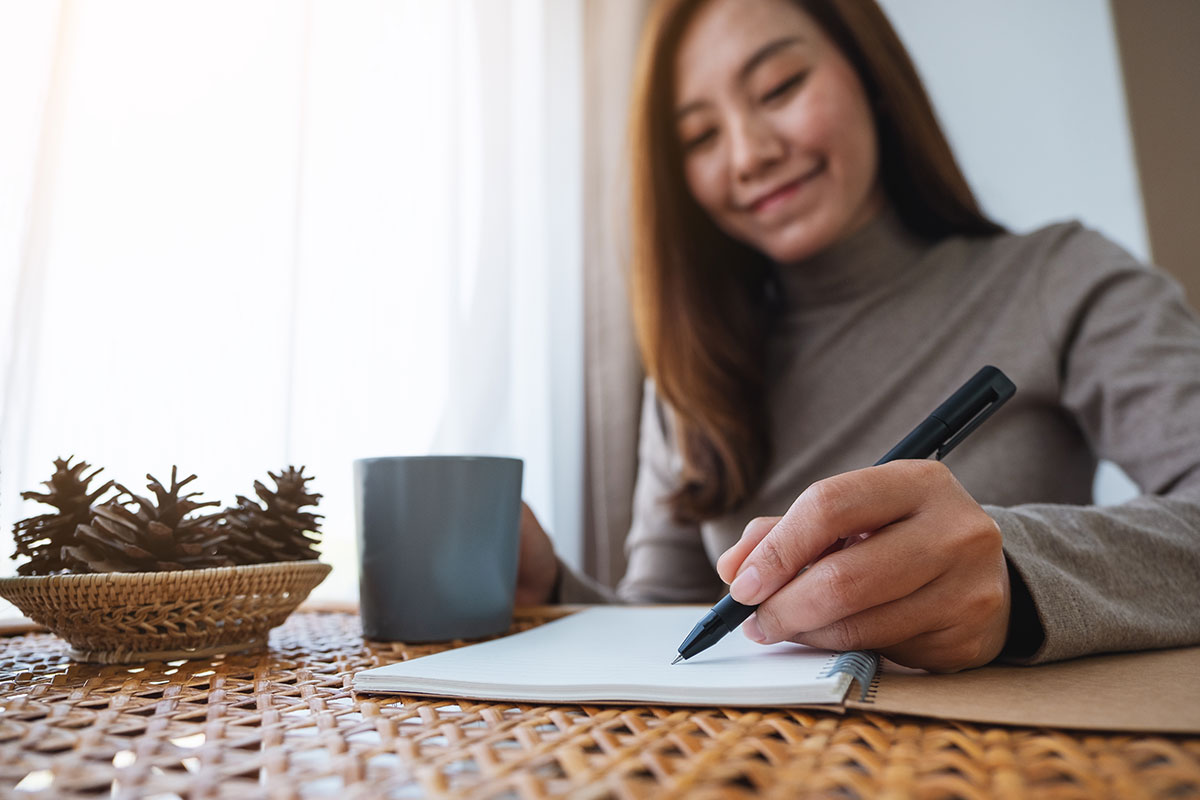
(1121, 577)
(666, 559)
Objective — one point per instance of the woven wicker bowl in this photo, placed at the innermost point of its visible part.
(126, 617)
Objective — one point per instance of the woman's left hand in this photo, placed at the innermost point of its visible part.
(928, 588)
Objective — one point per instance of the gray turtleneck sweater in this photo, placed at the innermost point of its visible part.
(877, 330)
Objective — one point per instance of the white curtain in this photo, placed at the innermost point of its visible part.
(237, 235)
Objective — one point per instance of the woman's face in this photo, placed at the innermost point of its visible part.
(778, 139)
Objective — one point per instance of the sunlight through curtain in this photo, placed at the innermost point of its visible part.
(235, 235)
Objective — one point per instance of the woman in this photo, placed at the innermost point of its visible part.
(811, 277)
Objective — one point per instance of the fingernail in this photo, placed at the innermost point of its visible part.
(751, 629)
(745, 587)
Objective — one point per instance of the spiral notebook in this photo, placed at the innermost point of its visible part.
(612, 654)
(618, 654)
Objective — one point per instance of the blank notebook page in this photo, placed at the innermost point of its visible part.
(618, 654)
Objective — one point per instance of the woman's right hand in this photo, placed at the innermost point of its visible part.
(929, 588)
(537, 572)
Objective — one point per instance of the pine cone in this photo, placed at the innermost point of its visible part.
(42, 537)
(158, 535)
(278, 532)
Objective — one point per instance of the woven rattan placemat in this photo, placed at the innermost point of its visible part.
(285, 724)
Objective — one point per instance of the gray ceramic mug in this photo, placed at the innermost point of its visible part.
(438, 542)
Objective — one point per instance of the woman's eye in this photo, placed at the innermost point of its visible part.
(691, 143)
(781, 90)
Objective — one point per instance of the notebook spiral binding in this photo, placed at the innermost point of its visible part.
(873, 689)
(860, 665)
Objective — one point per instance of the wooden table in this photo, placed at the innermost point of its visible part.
(285, 724)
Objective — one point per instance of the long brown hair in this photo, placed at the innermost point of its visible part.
(700, 300)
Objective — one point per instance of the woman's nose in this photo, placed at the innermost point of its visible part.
(755, 147)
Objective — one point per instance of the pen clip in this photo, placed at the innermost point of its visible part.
(996, 391)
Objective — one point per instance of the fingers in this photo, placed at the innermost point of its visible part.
(832, 509)
(923, 631)
(966, 565)
(884, 568)
(529, 521)
(882, 627)
(937, 628)
(537, 566)
(752, 534)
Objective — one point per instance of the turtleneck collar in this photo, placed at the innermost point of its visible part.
(871, 258)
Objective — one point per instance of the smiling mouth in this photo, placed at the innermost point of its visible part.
(785, 191)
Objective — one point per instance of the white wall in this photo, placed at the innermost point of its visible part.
(1030, 95)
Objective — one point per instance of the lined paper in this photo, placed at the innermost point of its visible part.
(616, 654)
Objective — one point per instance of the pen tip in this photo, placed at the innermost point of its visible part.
(677, 660)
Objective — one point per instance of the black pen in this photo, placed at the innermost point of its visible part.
(941, 432)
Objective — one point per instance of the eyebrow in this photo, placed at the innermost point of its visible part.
(754, 62)
(763, 53)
